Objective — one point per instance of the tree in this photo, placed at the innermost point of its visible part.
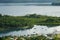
(0, 15)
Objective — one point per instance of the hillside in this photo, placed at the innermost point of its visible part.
(28, 21)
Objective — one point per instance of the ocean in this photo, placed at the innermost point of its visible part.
(21, 9)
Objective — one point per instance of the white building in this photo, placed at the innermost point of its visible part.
(55, 29)
(37, 29)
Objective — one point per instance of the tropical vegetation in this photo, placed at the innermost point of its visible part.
(8, 22)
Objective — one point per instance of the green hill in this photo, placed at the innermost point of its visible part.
(8, 22)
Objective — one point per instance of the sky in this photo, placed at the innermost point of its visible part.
(24, 1)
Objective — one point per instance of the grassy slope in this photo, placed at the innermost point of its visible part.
(24, 22)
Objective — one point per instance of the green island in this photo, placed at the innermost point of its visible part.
(8, 22)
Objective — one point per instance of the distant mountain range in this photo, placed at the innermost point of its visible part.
(24, 1)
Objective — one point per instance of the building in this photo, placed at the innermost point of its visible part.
(37, 29)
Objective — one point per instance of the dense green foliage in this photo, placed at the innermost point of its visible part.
(25, 38)
(41, 37)
(23, 22)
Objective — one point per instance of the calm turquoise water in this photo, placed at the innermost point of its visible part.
(24, 10)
